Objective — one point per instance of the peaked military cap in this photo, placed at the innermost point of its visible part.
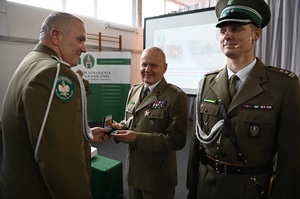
(256, 12)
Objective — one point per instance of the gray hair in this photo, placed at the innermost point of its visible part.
(157, 49)
(58, 20)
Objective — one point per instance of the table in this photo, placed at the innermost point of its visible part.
(106, 178)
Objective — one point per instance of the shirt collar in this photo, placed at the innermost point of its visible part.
(242, 74)
(152, 86)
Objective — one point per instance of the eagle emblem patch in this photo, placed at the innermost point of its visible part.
(64, 90)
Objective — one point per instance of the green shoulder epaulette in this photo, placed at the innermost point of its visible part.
(281, 71)
(212, 72)
(174, 87)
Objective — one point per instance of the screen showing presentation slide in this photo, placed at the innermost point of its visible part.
(191, 43)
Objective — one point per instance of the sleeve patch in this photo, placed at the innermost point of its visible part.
(64, 89)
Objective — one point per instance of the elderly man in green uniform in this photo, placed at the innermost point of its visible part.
(240, 126)
(157, 125)
(46, 138)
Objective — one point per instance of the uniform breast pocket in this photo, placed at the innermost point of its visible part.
(129, 108)
(210, 115)
(154, 119)
(156, 114)
(256, 116)
(259, 125)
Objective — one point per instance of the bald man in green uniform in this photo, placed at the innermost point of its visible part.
(241, 126)
(46, 138)
(156, 126)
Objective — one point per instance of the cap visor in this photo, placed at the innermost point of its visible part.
(227, 21)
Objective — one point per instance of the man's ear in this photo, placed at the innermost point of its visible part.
(55, 36)
(257, 34)
(166, 67)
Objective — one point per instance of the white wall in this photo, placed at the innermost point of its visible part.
(19, 32)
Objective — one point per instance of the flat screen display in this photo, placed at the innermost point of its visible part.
(190, 41)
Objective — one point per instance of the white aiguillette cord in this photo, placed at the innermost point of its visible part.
(87, 132)
(47, 110)
(86, 129)
(216, 129)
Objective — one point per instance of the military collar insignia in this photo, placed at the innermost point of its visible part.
(64, 90)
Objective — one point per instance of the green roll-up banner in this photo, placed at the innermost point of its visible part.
(108, 74)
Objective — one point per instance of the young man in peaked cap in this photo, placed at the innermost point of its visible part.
(241, 126)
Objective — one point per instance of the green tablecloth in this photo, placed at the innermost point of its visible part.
(107, 178)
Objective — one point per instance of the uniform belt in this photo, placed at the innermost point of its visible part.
(227, 168)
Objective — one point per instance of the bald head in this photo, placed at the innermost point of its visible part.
(155, 49)
(153, 65)
(65, 34)
(57, 20)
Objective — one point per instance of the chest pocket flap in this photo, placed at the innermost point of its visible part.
(156, 114)
(130, 108)
(257, 116)
(209, 109)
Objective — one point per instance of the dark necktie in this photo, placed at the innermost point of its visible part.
(232, 82)
(145, 93)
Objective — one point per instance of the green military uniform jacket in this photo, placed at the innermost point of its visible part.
(63, 166)
(277, 119)
(161, 123)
